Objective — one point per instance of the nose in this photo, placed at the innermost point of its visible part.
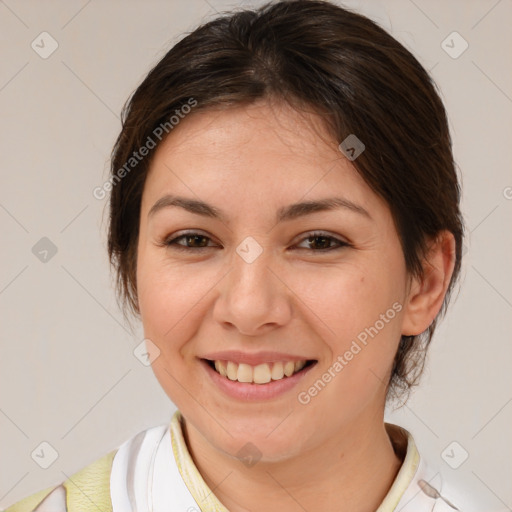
(253, 298)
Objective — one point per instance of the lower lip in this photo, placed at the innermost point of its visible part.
(255, 392)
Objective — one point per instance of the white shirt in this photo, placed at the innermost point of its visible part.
(154, 472)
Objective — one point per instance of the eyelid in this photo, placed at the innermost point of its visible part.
(170, 241)
(185, 232)
(340, 242)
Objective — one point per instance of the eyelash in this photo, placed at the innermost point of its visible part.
(172, 243)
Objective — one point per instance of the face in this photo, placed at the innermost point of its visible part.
(301, 306)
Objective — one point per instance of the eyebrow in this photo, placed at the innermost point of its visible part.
(285, 213)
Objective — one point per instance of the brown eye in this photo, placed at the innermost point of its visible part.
(190, 240)
(196, 240)
(318, 242)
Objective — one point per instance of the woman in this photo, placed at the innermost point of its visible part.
(284, 220)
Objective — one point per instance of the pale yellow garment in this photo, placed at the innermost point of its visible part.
(208, 502)
(201, 493)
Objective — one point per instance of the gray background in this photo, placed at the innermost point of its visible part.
(68, 375)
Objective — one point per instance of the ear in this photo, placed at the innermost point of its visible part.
(427, 292)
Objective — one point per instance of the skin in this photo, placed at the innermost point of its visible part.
(249, 162)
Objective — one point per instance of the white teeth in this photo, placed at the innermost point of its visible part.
(260, 374)
(244, 373)
(220, 368)
(232, 370)
(277, 371)
(299, 365)
(289, 368)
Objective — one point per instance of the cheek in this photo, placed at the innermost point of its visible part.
(172, 303)
(356, 311)
(345, 300)
(172, 300)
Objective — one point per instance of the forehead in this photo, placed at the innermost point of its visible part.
(266, 151)
(261, 128)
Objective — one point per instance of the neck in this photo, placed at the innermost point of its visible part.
(350, 472)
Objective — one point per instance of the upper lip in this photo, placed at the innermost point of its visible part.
(253, 359)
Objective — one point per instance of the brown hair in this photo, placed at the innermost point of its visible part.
(316, 55)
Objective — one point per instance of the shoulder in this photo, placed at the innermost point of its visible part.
(443, 491)
(87, 489)
(421, 485)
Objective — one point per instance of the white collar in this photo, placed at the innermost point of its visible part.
(154, 472)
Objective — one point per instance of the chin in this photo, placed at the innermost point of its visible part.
(251, 439)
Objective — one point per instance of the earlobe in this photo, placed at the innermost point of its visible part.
(427, 292)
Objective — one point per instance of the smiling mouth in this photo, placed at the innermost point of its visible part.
(261, 373)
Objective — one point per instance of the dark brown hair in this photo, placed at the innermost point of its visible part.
(318, 56)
